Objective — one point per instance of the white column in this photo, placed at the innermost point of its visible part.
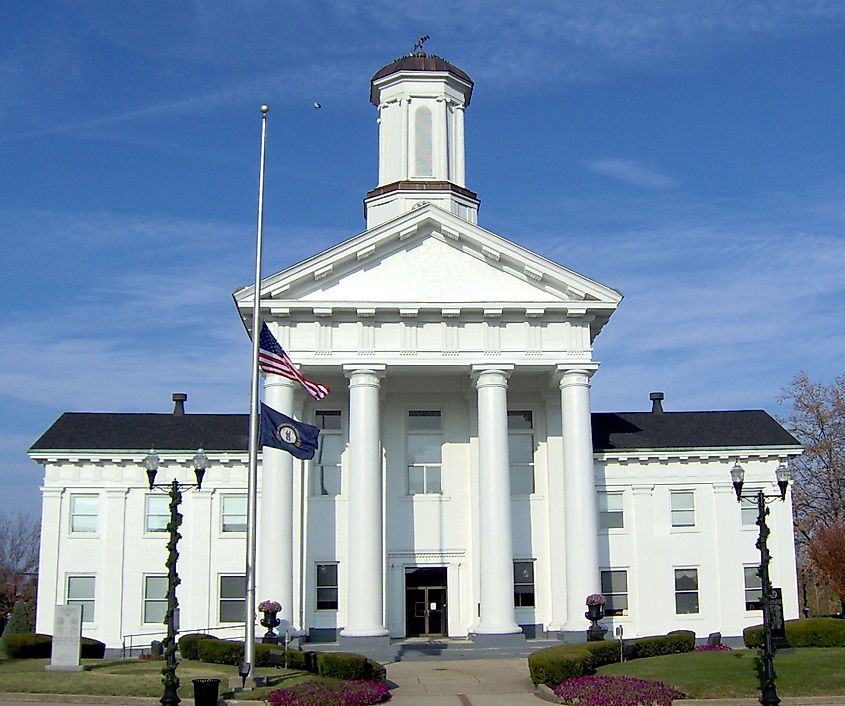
(459, 177)
(274, 566)
(109, 583)
(580, 501)
(440, 116)
(497, 613)
(365, 557)
(50, 588)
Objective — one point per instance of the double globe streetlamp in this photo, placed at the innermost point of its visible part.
(768, 691)
(174, 488)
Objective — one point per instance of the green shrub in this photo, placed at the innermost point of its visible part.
(602, 652)
(90, 648)
(809, 632)
(220, 651)
(28, 646)
(553, 665)
(20, 622)
(676, 641)
(188, 644)
(306, 661)
(346, 665)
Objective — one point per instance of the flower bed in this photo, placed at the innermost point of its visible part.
(712, 648)
(616, 691)
(350, 693)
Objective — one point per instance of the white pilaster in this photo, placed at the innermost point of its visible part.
(109, 609)
(580, 501)
(365, 558)
(459, 177)
(50, 589)
(274, 566)
(497, 611)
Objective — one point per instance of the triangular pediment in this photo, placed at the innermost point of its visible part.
(429, 258)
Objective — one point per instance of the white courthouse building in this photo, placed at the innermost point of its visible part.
(463, 487)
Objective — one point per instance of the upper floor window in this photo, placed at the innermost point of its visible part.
(425, 444)
(683, 508)
(753, 589)
(686, 591)
(325, 471)
(610, 511)
(80, 591)
(232, 599)
(521, 451)
(423, 163)
(614, 586)
(748, 508)
(523, 584)
(233, 511)
(156, 513)
(83, 513)
(155, 598)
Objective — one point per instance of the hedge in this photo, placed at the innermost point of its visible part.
(555, 664)
(349, 666)
(188, 644)
(808, 632)
(217, 651)
(37, 646)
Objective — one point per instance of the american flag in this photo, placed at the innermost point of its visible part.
(273, 360)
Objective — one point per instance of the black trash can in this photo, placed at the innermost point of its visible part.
(205, 691)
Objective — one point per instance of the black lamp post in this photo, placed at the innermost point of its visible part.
(174, 488)
(768, 691)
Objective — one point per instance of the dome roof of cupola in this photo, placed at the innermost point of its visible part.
(419, 61)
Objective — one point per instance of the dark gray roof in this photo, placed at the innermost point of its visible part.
(419, 62)
(93, 431)
(87, 431)
(681, 430)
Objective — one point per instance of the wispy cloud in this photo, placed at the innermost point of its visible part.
(630, 172)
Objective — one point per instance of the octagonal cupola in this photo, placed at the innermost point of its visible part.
(421, 101)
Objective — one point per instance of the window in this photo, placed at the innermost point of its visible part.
(425, 443)
(80, 591)
(753, 589)
(523, 584)
(232, 599)
(748, 508)
(614, 586)
(422, 142)
(83, 513)
(683, 508)
(326, 586)
(155, 598)
(521, 451)
(686, 591)
(234, 513)
(326, 469)
(157, 513)
(610, 511)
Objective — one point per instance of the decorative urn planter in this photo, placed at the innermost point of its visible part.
(270, 621)
(595, 612)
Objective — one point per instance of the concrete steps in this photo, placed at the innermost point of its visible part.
(423, 650)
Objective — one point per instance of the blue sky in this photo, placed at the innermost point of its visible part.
(690, 154)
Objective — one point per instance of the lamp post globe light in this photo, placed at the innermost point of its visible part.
(174, 488)
(768, 690)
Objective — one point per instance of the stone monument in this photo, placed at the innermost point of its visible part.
(67, 639)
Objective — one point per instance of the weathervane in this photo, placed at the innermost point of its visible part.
(418, 47)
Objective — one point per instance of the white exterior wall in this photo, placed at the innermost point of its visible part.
(426, 530)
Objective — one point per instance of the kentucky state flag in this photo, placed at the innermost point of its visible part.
(281, 432)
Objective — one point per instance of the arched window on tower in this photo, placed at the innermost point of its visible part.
(422, 142)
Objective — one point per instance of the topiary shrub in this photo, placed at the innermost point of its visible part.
(28, 646)
(220, 651)
(349, 666)
(809, 632)
(553, 665)
(188, 644)
(90, 648)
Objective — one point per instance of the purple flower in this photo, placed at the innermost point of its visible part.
(349, 693)
(712, 648)
(616, 691)
(596, 599)
(269, 607)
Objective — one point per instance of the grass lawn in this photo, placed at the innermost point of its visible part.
(807, 671)
(129, 677)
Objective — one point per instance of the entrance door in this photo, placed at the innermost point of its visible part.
(425, 602)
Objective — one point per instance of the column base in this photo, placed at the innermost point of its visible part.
(508, 639)
(572, 637)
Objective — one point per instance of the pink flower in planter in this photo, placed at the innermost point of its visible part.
(596, 599)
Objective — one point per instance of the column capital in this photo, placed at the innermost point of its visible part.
(279, 381)
(566, 374)
(497, 375)
(368, 375)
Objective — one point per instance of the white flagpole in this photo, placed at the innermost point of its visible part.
(252, 477)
